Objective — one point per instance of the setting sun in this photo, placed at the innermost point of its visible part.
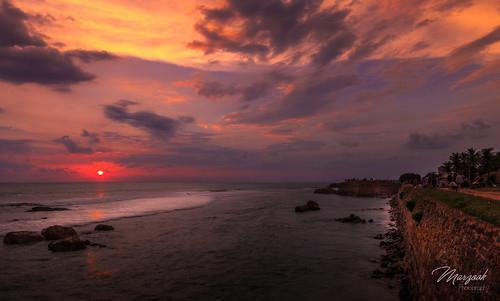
(100, 172)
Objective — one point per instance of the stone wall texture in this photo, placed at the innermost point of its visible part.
(446, 236)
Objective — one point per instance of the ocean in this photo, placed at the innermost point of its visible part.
(195, 241)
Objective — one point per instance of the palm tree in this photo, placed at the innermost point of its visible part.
(471, 157)
(487, 163)
(457, 163)
(447, 166)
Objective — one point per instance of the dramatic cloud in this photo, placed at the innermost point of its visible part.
(72, 147)
(159, 126)
(466, 53)
(41, 65)
(26, 58)
(88, 56)
(474, 130)
(268, 28)
(245, 92)
(214, 89)
(307, 98)
(13, 29)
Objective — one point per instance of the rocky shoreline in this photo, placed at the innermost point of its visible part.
(392, 262)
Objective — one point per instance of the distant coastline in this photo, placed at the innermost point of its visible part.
(362, 188)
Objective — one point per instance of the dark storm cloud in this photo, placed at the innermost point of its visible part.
(8, 146)
(157, 125)
(474, 130)
(89, 56)
(93, 138)
(26, 58)
(41, 65)
(266, 28)
(308, 97)
(13, 29)
(72, 147)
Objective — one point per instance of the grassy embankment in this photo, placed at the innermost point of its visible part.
(484, 209)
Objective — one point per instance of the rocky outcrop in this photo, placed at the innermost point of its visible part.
(362, 188)
(351, 219)
(68, 244)
(58, 232)
(103, 227)
(44, 208)
(22, 237)
(310, 206)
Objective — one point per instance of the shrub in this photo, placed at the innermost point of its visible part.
(410, 205)
(417, 216)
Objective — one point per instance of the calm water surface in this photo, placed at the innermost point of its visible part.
(242, 242)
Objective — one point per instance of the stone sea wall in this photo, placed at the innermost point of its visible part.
(446, 236)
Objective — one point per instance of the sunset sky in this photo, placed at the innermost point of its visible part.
(244, 90)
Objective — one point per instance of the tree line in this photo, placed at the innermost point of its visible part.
(471, 164)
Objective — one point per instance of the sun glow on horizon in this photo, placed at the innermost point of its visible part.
(100, 172)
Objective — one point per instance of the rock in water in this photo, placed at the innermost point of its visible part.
(310, 206)
(352, 218)
(22, 237)
(302, 208)
(69, 244)
(58, 232)
(102, 227)
(313, 205)
(44, 208)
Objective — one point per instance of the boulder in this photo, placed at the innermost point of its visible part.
(103, 227)
(44, 208)
(68, 244)
(302, 208)
(22, 237)
(313, 205)
(352, 219)
(58, 232)
(309, 206)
